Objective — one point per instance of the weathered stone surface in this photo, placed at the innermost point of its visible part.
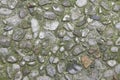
(51, 71)
(86, 61)
(78, 50)
(73, 68)
(49, 15)
(13, 20)
(59, 39)
(18, 34)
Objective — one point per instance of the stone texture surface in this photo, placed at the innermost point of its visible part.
(59, 40)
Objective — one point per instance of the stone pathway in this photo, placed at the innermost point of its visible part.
(59, 40)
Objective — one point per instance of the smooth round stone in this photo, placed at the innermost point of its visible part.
(111, 63)
(81, 3)
(117, 26)
(114, 49)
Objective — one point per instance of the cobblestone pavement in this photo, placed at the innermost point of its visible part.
(59, 39)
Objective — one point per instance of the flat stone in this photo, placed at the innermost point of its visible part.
(51, 25)
(49, 15)
(86, 61)
(13, 20)
(92, 42)
(51, 71)
(78, 50)
(99, 65)
(81, 3)
(111, 63)
(114, 49)
(35, 27)
(75, 13)
(5, 11)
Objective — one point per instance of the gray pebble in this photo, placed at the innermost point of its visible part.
(51, 71)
